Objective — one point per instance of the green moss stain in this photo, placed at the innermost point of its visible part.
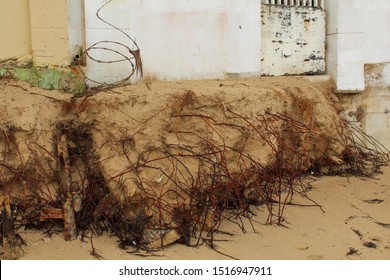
(3, 72)
(26, 75)
(47, 78)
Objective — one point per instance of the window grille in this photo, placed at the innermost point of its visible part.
(305, 3)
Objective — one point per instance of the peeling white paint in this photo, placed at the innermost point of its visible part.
(293, 40)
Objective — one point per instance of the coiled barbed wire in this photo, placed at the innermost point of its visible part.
(131, 55)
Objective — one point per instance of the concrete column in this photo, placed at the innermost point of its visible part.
(355, 38)
(344, 58)
(76, 27)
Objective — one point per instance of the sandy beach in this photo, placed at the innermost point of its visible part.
(355, 225)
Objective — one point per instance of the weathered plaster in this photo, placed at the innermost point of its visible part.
(49, 32)
(371, 109)
(293, 40)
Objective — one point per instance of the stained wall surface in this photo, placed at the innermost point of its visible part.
(293, 40)
(371, 109)
(192, 39)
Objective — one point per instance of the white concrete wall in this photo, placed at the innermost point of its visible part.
(293, 40)
(357, 33)
(358, 57)
(192, 39)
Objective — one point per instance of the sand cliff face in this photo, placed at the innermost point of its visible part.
(230, 116)
(154, 151)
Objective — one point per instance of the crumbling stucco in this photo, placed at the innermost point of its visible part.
(371, 109)
(293, 40)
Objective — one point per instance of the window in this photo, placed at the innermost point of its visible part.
(307, 3)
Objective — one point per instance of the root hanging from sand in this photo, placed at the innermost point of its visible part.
(183, 189)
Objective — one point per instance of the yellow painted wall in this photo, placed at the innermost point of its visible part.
(35, 27)
(14, 29)
(49, 32)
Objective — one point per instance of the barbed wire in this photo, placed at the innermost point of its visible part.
(130, 54)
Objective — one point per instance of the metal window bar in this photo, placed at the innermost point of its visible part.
(304, 3)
